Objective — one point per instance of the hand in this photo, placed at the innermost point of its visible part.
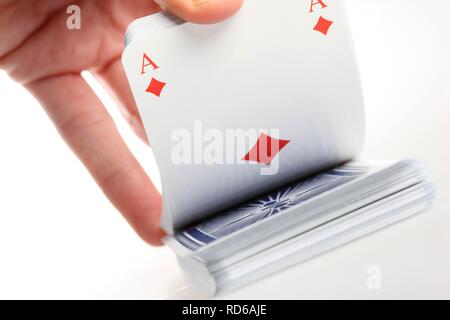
(37, 50)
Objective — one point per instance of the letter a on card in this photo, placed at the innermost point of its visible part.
(315, 3)
(147, 62)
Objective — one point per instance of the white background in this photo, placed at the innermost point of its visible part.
(60, 238)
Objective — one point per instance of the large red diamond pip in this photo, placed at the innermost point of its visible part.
(265, 149)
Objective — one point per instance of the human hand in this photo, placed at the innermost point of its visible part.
(37, 50)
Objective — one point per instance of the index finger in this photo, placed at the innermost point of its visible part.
(89, 130)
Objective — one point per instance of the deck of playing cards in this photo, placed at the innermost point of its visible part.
(254, 123)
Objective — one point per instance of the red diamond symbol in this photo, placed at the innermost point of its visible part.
(265, 149)
(323, 25)
(155, 87)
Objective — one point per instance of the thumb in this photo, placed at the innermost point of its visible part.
(201, 11)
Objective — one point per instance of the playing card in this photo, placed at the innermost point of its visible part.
(237, 109)
(273, 203)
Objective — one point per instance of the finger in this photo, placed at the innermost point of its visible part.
(19, 19)
(53, 49)
(113, 77)
(90, 132)
(202, 11)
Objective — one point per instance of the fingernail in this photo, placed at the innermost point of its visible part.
(162, 4)
(199, 3)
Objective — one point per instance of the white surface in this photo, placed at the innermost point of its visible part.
(60, 238)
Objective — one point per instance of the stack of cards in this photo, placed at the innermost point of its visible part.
(299, 221)
(246, 118)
